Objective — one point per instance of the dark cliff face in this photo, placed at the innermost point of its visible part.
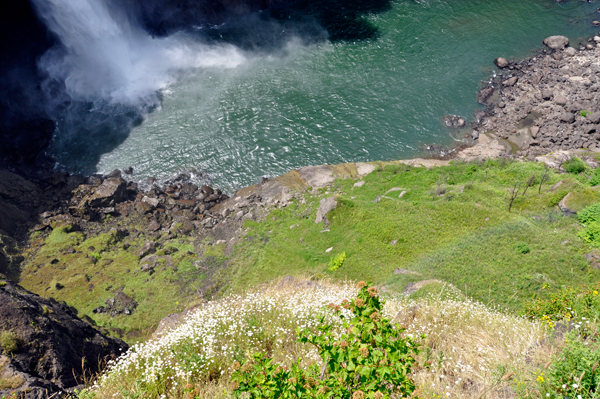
(25, 129)
(45, 345)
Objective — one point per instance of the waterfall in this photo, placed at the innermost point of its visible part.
(105, 56)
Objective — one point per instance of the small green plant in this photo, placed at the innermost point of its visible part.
(595, 180)
(337, 262)
(522, 247)
(584, 113)
(574, 166)
(370, 359)
(9, 342)
(590, 216)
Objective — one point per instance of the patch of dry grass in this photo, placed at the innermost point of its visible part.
(8, 381)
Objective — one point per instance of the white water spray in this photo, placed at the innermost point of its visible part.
(104, 56)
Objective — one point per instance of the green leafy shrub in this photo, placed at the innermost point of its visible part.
(370, 359)
(589, 214)
(337, 262)
(595, 180)
(574, 166)
(591, 234)
(584, 113)
(9, 342)
(522, 247)
(576, 372)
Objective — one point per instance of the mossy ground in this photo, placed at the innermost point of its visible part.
(452, 225)
(86, 269)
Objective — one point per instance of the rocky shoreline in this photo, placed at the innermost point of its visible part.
(544, 104)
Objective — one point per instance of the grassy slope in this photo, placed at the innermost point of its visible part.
(465, 236)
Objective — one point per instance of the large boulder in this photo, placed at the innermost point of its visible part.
(110, 192)
(325, 206)
(501, 62)
(485, 95)
(556, 42)
(46, 347)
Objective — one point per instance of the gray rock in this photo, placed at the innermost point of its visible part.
(567, 117)
(501, 62)
(475, 135)
(153, 202)
(511, 81)
(325, 206)
(250, 216)
(154, 226)
(570, 51)
(563, 205)
(485, 95)
(547, 94)
(556, 42)
(147, 249)
(593, 118)
(534, 131)
(149, 263)
(109, 193)
(53, 342)
(560, 99)
(454, 121)
(121, 303)
(359, 184)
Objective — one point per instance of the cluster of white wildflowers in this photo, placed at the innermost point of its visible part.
(463, 342)
(211, 337)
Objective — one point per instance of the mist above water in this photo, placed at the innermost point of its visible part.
(105, 56)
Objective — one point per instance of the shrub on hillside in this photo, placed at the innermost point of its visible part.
(522, 247)
(579, 307)
(590, 216)
(574, 166)
(576, 371)
(337, 262)
(595, 180)
(369, 360)
(9, 342)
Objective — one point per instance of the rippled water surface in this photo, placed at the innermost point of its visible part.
(332, 102)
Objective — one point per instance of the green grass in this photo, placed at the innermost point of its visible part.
(465, 236)
(451, 225)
